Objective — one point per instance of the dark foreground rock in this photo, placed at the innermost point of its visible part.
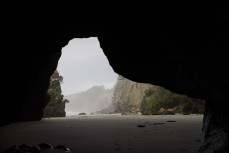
(43, 147)
(82, 113)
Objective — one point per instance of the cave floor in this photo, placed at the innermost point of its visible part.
(109, 133)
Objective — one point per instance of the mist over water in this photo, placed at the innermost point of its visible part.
(90, 101)
(84, 66)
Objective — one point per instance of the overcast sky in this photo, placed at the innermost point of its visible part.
(83, 65)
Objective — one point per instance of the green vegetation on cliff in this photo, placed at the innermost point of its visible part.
(56, 105)
(162, 101)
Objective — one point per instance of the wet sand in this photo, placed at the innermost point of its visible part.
(110, 133)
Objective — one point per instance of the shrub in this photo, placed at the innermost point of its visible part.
(166, 99)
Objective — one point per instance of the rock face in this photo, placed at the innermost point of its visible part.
(132, 98)
(128, 95)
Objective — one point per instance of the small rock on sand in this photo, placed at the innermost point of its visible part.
(141, 125)
(171, 121)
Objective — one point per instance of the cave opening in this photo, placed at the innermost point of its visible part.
(182, 125)
(132, 127)
(87, 80)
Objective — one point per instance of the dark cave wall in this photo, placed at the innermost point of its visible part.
(25, 84)
(183, 49)
(178, 48)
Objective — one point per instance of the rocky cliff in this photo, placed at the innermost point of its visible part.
(132, 97)
(128, 95)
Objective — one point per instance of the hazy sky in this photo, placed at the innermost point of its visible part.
(83, 65)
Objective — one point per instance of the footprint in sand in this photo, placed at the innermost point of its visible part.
(135, 137)
(183, 149)
(157, 123)
(118, 146)
(198, 140)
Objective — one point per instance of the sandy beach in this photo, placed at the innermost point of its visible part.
(110, 133)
